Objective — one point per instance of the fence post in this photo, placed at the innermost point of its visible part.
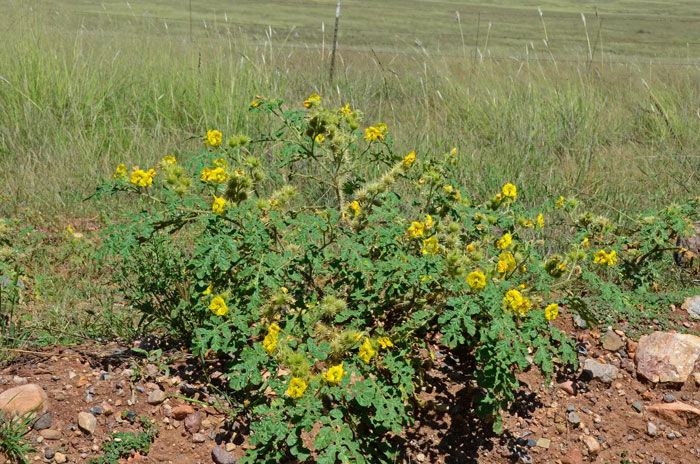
(335, 40)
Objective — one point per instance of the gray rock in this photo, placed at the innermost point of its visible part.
(43, 422)
(612, 341)
(221, 456)
(49, 453)
(96, 410)
(156, 397)
(198, 438)
(573, 418)
(579, 322)
(87, 422)
(651, 429)
(669, 398)
(596, 370)
(637, 405)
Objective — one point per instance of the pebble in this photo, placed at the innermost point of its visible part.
(198, 438)
(573, 418)
(591, 444)
(671, 436)
(180, 412)
(651, 429)
(669, 398)
(193, 422)
(49, 453)
(43, 422)
(140, 389)
(220, 456)
(579, 322)
(568, 387)
(60, 458)
(420, 457)
(637, 405)
(544, 443)
(156, 397)
(50, 434)
(87, 422)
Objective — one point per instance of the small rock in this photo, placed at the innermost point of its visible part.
(193, 422)
(198, 438)
(220, 456)
(156, 397)
(96, 410)
(579, 322)
(612, 341)
(107, 409)
(568, 387)
(651, 429)
(544, 443)
(43, 422)
(180, 412)
(692, 306)
(671, 436)
(637, 405)
(573, 456)
(420, 457)
(596, 370)
(60, 458)
(87, 422)
(50, 434)
(573, 418)
(20, 400)
(669, 398)
(140, 389)
(49, 453)
(19, 380)
(591, 444)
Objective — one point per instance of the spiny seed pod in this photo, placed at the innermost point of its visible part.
(331, 306)
(297, 363)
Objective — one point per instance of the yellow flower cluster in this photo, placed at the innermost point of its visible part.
(168, 161)
(509, 191)
(601, 257)
(476, 280)
(430, 246)
(366, 350)
(120, 172)
(218, 205)
(297, 387)
(516, 302)
(346, 109)
(506, 262)
(218, 306)
(213, 138)
(270, 341)
(141, 178)
(355, 207)
(551, 311)
(540, 221)
(385, 342)
(376, 132)
(418, 229)
(505, 241)
(409, 159)
(313, 100)
(334, 374)
(216, 175)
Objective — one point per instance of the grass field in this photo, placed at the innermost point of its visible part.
(86, 85)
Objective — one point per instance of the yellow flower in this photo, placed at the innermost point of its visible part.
(421, 181)
(273, 202)
(385, 342)
(551, 312)
(540, 221)
(355, 207)
(142, 178)
(560, 202)
(346, 109)
(373, 133)
(382, 128)
(510, 191)
(428, 221)
(506, 263)
(409, 159)
(366, 351)
(320, 138)
(168, 161)
(586, 243)
(255, 103)
(448, 189)
(213, 138)
(453, 152)
(218, 306)
(274, 328)
(120, 172)
(313, 100)
(505, 241)
(217, 175)
(218, 206)
(270, 342)
(601, 257)
(296, 388)
(206, 172)
(476, 280)
(334, 374)
(207, 291)
(220, 163)
(471, 247)
(528, 223)
(516, 302)
(430, 246)
(417, 229)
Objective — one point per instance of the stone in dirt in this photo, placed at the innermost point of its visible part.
(568, 387)
(60, 458)
(605, 373)
(193, 422)
(20, 400)
(667, 357)
(156, 397)
(50, 434)
(180, 412)
(198, 438)
(612, 341)
(87, 422)
(574, 456)
(692, 306)
(544, 443)
(591, 444)
(220, 456)
(43, 422)
(651, 429)
(677, 413)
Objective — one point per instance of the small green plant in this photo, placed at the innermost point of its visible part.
(123, 444)
(154, 357)
(14, 437)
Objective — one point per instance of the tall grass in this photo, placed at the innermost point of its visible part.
(74, 103)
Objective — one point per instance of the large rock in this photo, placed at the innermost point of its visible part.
(596, 370)
(23, 399)
(667, 357)
(692, 306)
(677, 413)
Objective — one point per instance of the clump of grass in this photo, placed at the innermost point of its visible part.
(14, 439)
(125, 443)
